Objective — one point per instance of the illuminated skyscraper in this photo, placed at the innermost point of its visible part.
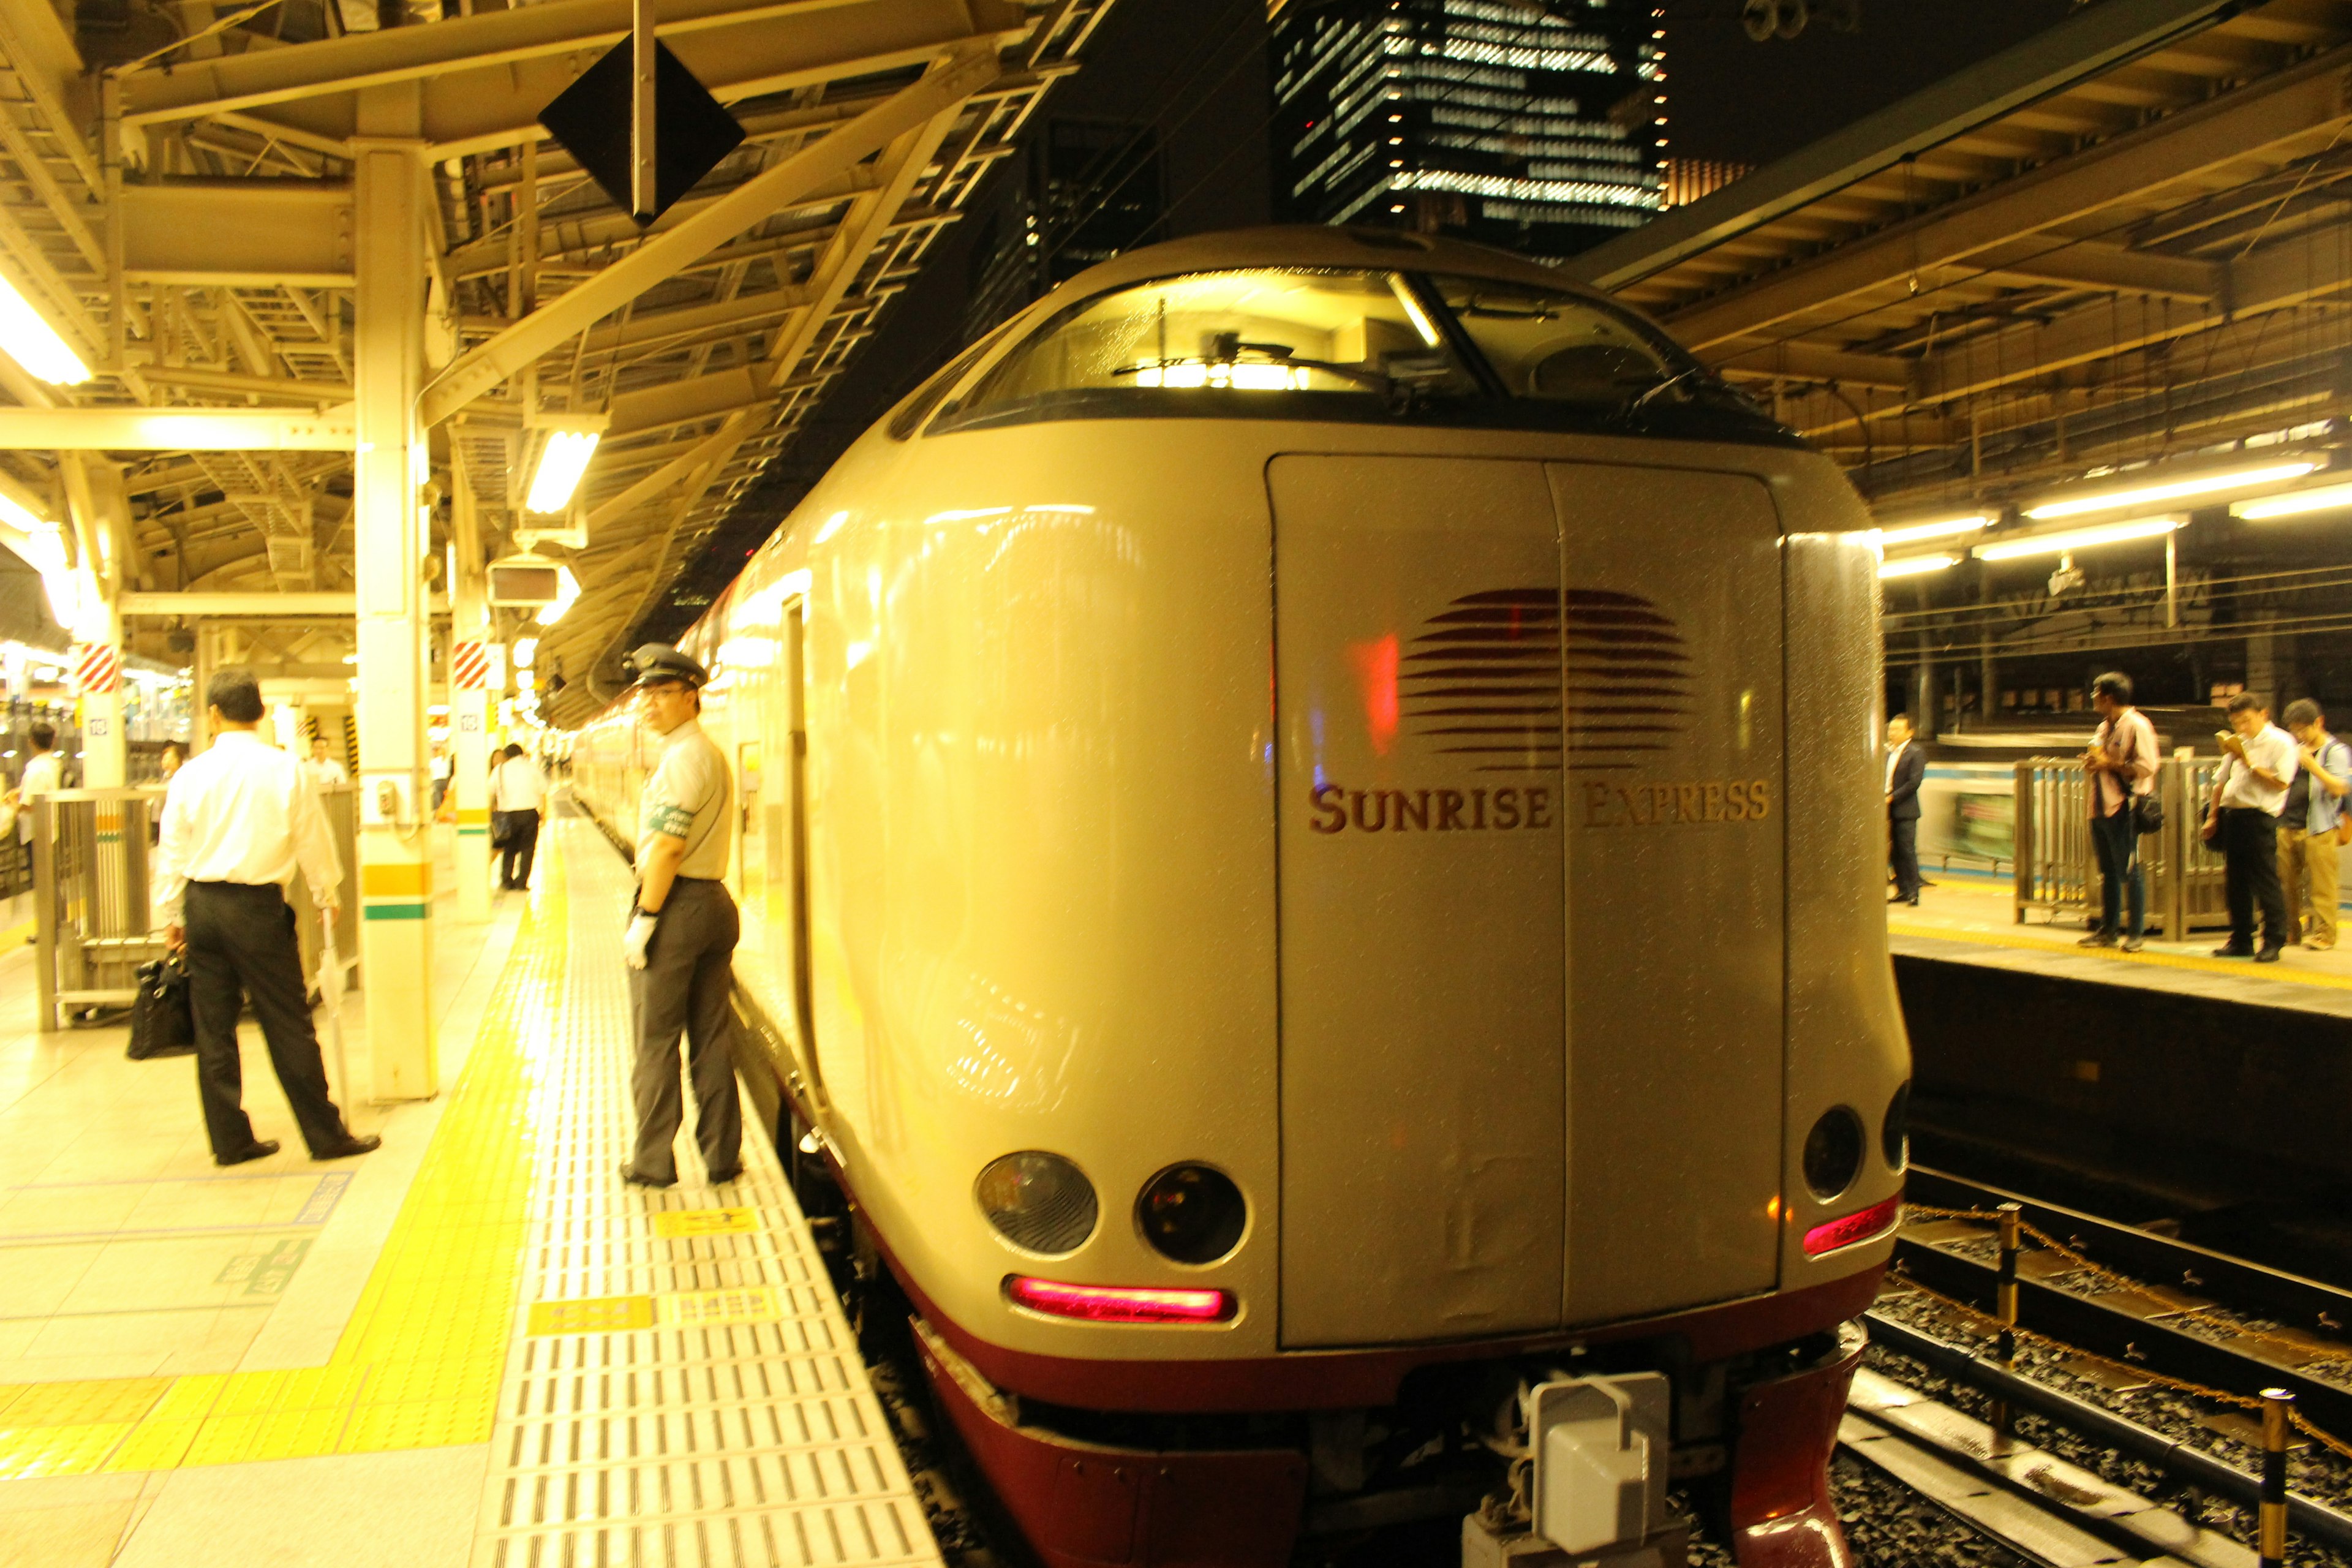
(1538, 125)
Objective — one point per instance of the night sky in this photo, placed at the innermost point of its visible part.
(1195, 71)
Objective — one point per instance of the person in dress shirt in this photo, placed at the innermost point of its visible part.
(325, 771)
(1906, 766)
(2241, 820)
(518, 789)
(238, 822)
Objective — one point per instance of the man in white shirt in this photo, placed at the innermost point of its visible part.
(518, 790)
(2121, 762)
(240, 819)
(324, 771)
(43, 774)
(2241, 821)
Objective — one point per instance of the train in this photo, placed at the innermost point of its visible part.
(1311, 855)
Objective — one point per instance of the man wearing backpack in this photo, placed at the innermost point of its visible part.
(2310, 825)
(2121, 763)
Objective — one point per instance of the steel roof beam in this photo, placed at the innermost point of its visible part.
(2088, 265)
(2083, 47)
(940, 91)
(2305, 103)
(177, 430)
(1803, 361)
(484, 79)
(2283, 275)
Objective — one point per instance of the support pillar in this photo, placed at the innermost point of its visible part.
(391, 527)
(100, 509)
(469, 707)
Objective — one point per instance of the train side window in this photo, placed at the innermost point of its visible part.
(1241, 344)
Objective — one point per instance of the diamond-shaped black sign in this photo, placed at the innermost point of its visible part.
(692, 131)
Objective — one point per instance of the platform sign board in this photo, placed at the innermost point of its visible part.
(692, 131)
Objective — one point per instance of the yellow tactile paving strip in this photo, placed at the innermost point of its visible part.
(419, 1363)
(2239, 969)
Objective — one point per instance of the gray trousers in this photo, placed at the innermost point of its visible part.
(682, 989)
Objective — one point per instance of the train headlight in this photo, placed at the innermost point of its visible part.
(1037, 1201)
(1834, 1152)
(1895, 1133)
(1192, 1214)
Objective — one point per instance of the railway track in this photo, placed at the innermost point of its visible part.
(2139, 1299)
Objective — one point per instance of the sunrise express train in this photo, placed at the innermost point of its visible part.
(1311, 853)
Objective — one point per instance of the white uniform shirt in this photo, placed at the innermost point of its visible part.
(518, 786)
(687, 798)
(43, 774)
(1894, 757)
(326, 773)
(2273, 751)
(243, 811)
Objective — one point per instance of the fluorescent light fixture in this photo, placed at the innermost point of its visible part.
(1914, 565)
(2294, 503)
(561, 463)
(1941, 528)
(2152, 493)
(525, 650)
(32, 343)
(2078, 539)
(567, 590)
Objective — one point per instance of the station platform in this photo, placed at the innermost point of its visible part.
(477, 1345)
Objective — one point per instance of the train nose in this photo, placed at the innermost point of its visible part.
(1531, 864)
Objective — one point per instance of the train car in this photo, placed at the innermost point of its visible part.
(1312, 862)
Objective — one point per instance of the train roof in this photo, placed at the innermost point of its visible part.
(1318, 245)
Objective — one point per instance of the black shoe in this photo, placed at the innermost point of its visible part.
(629, 1173)
(721, 1178)
(364, 1144)
(2134, 943)
(260, 1151)
(2233, 950)
(2098, 939)
(2267, 955)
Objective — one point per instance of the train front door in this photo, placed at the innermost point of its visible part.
(1419, 811)
(1674, 842)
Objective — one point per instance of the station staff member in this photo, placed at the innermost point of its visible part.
(520, 790)
(2249, 789)
(680, 942)
(238, 822)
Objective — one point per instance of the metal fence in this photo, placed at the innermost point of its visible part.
(2057, 868)
(93, 871)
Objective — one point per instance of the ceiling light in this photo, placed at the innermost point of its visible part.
(32, 343)
(1941, 528)
(561, 463)
(2078, 538)
(1914, 565)
(2146, 494)
(525, 650)
(2294, 503)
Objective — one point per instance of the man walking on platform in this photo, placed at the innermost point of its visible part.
(519, 791)
(238, 822)
(2241, 821)
(680, 942)
(2308, 823)
(2122, 763)
(1906, 766)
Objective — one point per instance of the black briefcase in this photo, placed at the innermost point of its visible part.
(163, 1019)
(502, 831)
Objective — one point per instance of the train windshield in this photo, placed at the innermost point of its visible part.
(1335, 343)
(1228, 342)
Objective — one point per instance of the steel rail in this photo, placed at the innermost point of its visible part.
(2192, 1466)
(2235, 1283)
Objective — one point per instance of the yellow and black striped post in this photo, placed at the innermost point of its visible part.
(2278, 1428)
(2004, 1306)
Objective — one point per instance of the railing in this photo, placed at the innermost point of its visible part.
(2057, 868)
(94, 925)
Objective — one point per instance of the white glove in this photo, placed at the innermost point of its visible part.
(639, 937)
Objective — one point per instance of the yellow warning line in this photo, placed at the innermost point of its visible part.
(419, 1363)
(2243, 969)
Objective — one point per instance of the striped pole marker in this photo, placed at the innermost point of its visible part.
(2278, 1428)
(96, 669)
(469, 665)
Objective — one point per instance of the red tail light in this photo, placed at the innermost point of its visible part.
(1119, 1303)
(1867, 1226)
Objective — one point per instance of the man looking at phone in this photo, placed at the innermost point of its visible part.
(2258, 763)
(2122, 764)
(2309, 825)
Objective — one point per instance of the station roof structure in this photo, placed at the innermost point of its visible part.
(2125, 238)
(185, 221)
